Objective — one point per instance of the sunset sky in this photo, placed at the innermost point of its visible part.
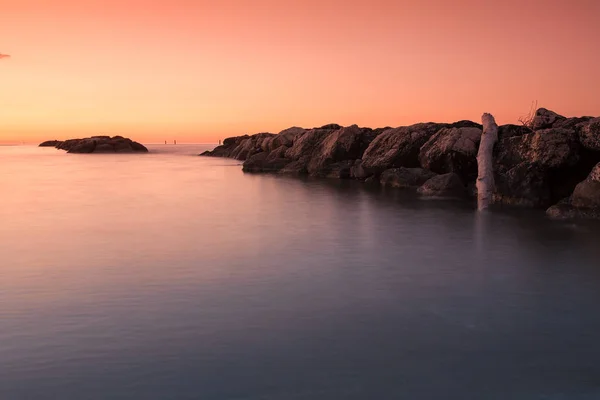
(197, 71)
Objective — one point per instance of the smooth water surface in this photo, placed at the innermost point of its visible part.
(170, 276)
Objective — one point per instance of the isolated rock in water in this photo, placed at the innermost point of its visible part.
(587, 193)
(405, 177)
(446, 185)
(101, 144)
(589, 135)
(398, 147)
(452, 150)
(485, 165)
(50, 143)
(545, 119)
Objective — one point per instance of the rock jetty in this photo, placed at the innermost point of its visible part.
(553, 163)
(97, 144)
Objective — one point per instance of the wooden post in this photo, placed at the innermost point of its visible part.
(485, 167)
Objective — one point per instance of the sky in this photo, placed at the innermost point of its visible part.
(199, 71)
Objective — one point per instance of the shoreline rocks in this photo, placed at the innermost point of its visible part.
(97, 144)
(551, 163)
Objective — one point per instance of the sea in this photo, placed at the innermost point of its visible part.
(171, 276)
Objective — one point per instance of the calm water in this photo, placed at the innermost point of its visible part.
(168, 276)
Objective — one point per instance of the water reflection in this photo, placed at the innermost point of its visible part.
(173, 276)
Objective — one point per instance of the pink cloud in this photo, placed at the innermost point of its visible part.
(4, 56)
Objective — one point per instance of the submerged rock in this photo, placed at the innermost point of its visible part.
(405, 177)
(446, 186)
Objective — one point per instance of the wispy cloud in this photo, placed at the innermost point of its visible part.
(4, 56)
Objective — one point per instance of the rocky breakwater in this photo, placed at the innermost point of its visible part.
(97, 144)
(553, 162)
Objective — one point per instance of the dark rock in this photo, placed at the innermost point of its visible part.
(551, 148)
(101, 144)
(341, 145)
(297, 167)
(305, 145)
(466, 124)
(447, 186)
(405, 177)
(526, 184)
(587, 193)
(331, 126)
(84, 146)
(357, 171)
(589, 134)
(575, 123)
(508, 131)
(104, 148)
(289, 135)
(452, 150)
(262, 162)
(50, 143)
(565, 211)
(397, 147)
(339, 170)
(544, 119)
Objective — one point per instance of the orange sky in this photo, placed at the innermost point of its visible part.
(197, 70)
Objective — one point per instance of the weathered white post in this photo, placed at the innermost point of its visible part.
(485, 167)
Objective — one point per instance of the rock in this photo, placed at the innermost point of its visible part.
(545, 119)
(339, 170)
(508, 131)
(101, 144)
(551, 148)
(397, 147)
(341, 145)
(261, 162)
(104, 148)
(589, 135)
(297, 167)
(84, 146)
(565, 211)
(357, 171)
(289, 135)
(331, 127)
(525, 185)
(587, 193)
(230, 146)
(244, 150)
(405, 177)
(447, 185)
(50, 143)
(306, 144)
(452, 150)
(575, 123)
